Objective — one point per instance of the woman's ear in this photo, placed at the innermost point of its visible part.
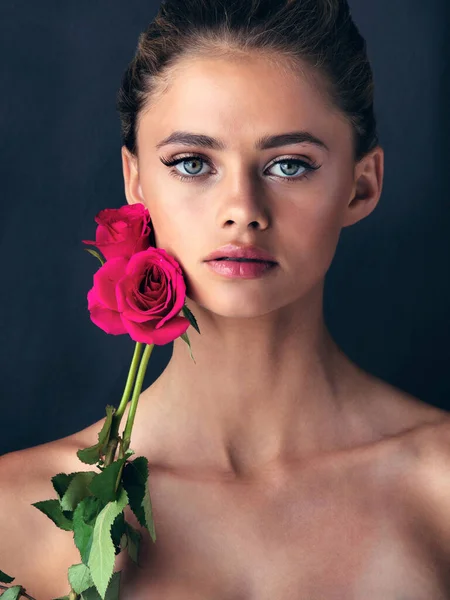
(133, 191)
(367, 188)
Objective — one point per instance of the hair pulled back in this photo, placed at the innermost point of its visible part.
(318, 34)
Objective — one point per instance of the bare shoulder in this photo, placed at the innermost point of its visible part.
(414, 453)
(425, 485)
(33, 549)
(430, 447)
(391, 410)
(412, 437)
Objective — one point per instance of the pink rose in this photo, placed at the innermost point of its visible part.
(141, 296)
(122, 231)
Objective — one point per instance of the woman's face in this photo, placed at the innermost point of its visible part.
(239, 192)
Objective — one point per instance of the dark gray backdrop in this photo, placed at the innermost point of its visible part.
(387, 294)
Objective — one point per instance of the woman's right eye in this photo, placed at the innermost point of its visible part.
(185, 159)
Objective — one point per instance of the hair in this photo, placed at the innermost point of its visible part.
(316, 38)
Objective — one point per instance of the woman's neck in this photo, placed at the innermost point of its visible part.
(259, 392)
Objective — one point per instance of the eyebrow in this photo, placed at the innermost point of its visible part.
(186, 138)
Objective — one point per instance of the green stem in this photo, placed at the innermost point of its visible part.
(117, 417)
(130, 380)
(126, 437)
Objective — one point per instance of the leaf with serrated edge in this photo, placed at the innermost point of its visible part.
(52, 509)
(135, 481)
(78, 489)
(103, 436)
(92, 454)
(147, 506)
(187, 313)
(61, 482)
(102, 555)
(91, 594)
(117, 530)
(112, 593)
(4, 578)
(184, 336)
(80, 578)
(124, 541)
(83, 525)
(105, 485)
(12, 593)
(133, 542)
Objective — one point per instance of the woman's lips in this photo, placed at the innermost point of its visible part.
(243, 269)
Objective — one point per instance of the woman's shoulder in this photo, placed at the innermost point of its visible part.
(422, 445)
(424, 485)
(429, 483)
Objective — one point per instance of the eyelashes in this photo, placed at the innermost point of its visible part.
(309, 167)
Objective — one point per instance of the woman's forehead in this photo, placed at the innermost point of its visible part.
(225, 83)
(242, 101)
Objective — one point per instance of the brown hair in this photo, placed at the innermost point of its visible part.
(291, 33)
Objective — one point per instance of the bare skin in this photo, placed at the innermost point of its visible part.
(278, 467)
(365, 523)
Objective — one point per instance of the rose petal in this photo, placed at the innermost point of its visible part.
(105, 281)
(105, 318)
(123, 231)
(126, 304)
(108, 320)
(146, 334)
(180, 298)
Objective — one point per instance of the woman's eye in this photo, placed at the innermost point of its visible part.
(192, 167)
(289, 167)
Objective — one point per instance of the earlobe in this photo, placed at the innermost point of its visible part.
(133, 191)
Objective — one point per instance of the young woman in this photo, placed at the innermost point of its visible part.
(279, 469)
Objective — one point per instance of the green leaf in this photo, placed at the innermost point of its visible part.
(4, 578)
(103, 436)
(61, 482)
(78, 489)
(133, 542)
(124, 540)
(83, 525)
(80, 578)
(52, 509)
(117, 531)
(62, 598)
(104, 486)
(12, 593)
(187, 313)
(135, 482)
(96, 254)
(184, 336)
(102, 555)
(93, 454)
(112, 593)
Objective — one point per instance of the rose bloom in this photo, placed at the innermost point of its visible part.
(122, 231)
(140, 296)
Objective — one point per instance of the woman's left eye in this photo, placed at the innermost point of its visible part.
(286, 165)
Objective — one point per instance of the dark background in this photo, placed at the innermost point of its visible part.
(387, 293)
